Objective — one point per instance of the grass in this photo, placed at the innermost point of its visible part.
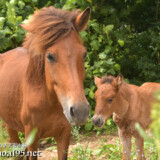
(111, 151)
(99, 149)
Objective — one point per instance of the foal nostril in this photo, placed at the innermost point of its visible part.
(72, 112)
(97, 123)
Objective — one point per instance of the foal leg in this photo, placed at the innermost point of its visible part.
(63, 144)
(126, 143)
(139, 143)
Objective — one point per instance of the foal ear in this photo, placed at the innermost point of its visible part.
(82, 19)
(118, 81)
(97, 81)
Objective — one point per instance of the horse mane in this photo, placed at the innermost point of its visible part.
(107, 79)
(47, 26)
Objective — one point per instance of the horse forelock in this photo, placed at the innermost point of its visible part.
(47, 27)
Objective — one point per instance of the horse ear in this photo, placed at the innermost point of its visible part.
(82, 19)
(118, 81)
(26, 27)
(97, 81)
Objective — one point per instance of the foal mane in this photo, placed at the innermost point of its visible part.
(107, 79)
(47, 26)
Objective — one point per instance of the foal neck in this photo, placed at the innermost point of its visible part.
(123, 100)
(127, 91)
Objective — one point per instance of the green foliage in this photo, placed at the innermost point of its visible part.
(75, 132)
(110, 151)
(81, 152)
(155, 115)
(21, 136)
(99, 60)
(12, 13)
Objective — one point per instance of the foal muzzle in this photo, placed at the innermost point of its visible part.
(98, 121)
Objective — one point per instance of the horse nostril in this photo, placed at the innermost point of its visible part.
(79, 113)
(72, 112)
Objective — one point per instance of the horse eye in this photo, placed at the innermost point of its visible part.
(110, 100)
(50, 57)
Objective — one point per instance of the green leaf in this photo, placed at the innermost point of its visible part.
(107, 49)
(2, 20)
(88, 126)
(121, 42)
(95, 71)
(118, 67)
(109, 28)
(90, 1)
(141, 131)
(31, 137)
(111, 71)
(101, 70)
(21, 4)
(102, 55)
(110, 61)
(95, 45)
(91, 94)
(95, 26)
(109, 122)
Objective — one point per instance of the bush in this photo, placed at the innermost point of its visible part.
(122, 36)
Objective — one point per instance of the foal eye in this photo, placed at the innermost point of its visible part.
(110, 100)
(50, 57)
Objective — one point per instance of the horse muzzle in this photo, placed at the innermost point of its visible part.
(77, 113)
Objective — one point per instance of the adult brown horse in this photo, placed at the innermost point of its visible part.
(129, 103)
(41, 84)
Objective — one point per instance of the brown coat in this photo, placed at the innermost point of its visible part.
(41, 84)
(129, 104)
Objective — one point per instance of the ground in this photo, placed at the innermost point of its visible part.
(49, 151)
(96, 147)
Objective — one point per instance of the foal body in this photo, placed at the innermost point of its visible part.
(129, 104)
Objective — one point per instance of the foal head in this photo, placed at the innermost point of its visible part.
(53, 35)
(108, 98)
